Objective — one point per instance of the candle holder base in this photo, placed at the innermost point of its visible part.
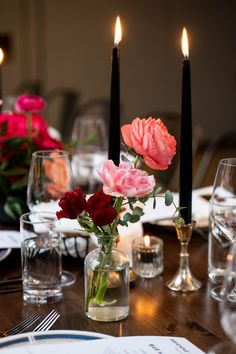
(183, 280)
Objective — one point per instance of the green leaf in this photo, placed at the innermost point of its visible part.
(17, 208)
(143, 199)
(20, 183)
(4, 183)
(124, 158)
(8, 210)
(154, 203)
(127, 217)
(169, 198)
(132, 199)
(12, 143)
(157, 190)
(131, 205)
(122, 222)
(138, 211)
(179, 222)
(15, 171)
(3, 128)
(13, 199)
(134, 218)
(4, 165)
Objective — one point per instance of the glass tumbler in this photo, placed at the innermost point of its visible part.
(41, 258)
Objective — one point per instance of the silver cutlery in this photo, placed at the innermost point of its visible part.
(10, 285)
(10, 281)
(20, 327)
(47, 321)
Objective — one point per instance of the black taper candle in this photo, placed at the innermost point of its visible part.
(114, 123)
(185, 174)
(1, 100)
(1, 61)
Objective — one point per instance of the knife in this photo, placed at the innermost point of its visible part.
(10, 281)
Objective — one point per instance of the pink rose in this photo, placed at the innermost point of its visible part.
(150, 138)
(125, 180)
(29, 103)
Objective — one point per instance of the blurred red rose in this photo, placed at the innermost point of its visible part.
(100, 209)
(16, 126)
(29, 103)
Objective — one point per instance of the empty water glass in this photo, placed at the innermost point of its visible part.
(41, 258)
(50, 177)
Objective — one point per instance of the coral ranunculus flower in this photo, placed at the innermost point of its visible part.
(125, 180)
(29, 103)
(151, 139)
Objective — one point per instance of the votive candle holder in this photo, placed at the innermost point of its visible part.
(147, 256)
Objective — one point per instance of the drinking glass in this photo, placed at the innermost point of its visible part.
(41, 258)
(50, 177)
(223, 221)
(89, 135)
(228, 306)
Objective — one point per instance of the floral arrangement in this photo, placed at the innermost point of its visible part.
(21, 133)
(123, 185)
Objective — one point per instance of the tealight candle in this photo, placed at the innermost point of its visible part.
(147, 256)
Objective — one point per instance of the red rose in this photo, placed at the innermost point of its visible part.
(29, 103)
(100, 209)
(72, 204)
(17, 127)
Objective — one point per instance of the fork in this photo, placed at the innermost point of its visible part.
(47, 321)
(20, 327)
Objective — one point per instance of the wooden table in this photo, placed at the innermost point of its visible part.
(154, 309)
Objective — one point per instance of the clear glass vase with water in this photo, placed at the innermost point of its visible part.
(106, 271)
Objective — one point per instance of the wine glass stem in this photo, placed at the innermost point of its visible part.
(91, 182)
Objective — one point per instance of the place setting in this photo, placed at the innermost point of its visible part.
(96, 254)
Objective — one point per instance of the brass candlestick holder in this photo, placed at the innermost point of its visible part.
(183, 280)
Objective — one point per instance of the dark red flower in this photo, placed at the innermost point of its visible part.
(100, 209)
(72, 204)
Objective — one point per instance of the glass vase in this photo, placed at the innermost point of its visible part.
(106, 271)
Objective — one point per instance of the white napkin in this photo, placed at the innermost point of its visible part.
(10, 239)
(200, 208)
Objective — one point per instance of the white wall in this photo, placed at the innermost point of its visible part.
(69, 45)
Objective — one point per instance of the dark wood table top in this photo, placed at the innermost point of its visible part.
(154, 309)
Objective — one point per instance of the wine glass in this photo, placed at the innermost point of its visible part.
(50, 177)
(223, 217)
(89, 135)
(228, 306)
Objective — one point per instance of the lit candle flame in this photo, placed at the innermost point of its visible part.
(146, 241)
(118, 32)
(185, 43)
(1, 56)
